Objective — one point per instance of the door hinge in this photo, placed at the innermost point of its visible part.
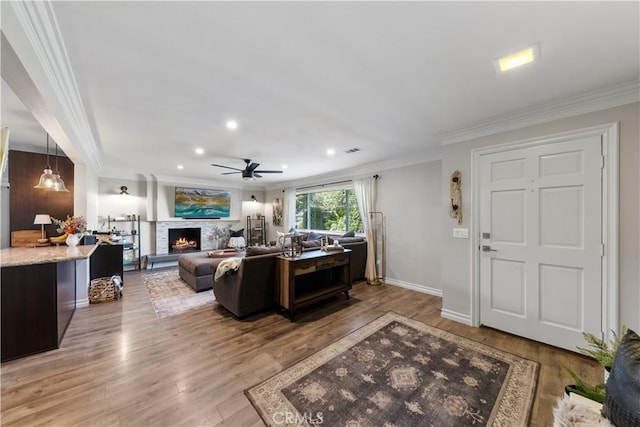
(602, 162)
(601, 249)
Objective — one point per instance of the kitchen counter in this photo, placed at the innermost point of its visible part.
(11, 257)
(38, 296)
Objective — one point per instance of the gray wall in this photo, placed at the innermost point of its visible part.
(410, 199)
(456, 254)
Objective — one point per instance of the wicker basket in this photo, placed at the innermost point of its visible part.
(105, 289)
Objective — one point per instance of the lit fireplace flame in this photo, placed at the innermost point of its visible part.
(183, 242)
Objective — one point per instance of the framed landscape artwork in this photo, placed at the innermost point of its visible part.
(202, 203)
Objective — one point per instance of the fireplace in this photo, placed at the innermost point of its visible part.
(184, 240)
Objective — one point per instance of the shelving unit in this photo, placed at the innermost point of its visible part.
(256, 231)
(129, 230)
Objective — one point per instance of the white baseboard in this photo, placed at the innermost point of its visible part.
(456, 317)
(82, 303)
(414, 287)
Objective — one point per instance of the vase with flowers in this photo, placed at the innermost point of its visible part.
(73, 227)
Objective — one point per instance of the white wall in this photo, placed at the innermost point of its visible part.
(456, 253)
(409, 197)
(153, 200)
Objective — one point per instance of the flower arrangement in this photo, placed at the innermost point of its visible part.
(72, 225)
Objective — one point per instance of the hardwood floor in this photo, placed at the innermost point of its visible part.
(120, 365)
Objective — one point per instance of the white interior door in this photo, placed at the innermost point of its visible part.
(541, 241)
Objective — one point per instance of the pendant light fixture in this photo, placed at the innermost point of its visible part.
(47, 178)
(58, 183)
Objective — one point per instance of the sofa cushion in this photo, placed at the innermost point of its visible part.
(261, 250)
(343, 240)
(349, 234)
(311, 243)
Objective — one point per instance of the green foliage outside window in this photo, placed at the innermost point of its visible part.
(335, 210)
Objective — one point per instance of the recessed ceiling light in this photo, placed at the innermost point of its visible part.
(199, 150)
(517, 59)
(331, 152)
(180, 167)
(232, 124)
(284, 166)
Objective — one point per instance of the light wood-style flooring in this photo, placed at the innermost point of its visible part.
(121, 365)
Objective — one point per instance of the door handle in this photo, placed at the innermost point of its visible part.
(486, 248)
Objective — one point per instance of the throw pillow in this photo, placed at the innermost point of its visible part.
(349, 234)
(622, 399)
(239, 233)
(314, 236)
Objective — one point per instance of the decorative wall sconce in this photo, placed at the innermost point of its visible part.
(123, 190)
(455, 210)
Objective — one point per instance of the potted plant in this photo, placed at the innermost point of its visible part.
(604, 352)
(590, 391)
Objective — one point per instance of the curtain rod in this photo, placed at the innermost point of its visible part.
(330, 183)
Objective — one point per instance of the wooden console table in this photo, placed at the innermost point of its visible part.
(311, 277)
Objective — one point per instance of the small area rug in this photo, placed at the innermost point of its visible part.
(397, 371)
(170, 295)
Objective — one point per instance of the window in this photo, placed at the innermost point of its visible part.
(335, 210)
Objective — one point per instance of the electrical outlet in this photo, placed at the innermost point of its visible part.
(461, 233)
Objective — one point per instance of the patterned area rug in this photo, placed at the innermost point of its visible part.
(170, 295)
(396, 371)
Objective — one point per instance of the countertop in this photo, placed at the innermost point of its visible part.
(11, 257)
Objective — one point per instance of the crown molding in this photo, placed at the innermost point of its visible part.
(425, 156)
(615, 96)
(39, 24)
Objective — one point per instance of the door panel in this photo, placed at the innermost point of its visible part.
(511, 220)
(561, 294)
(561, 217)
(508, 286)
(542, 209)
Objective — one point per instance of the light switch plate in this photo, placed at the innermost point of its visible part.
(461, 233)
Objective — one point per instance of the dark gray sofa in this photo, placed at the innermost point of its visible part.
(251, 289)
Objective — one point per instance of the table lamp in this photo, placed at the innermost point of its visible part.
(42, 219)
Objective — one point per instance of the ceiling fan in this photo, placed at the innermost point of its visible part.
(249, 172)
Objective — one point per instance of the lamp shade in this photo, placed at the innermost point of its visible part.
(42, 219)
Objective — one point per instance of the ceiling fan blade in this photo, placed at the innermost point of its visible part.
(229, 173)
(256, 175)
(253, 166)
(226, 167)
(268, 171)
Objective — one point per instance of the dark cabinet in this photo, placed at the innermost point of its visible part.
(106, 261)
(38, 302)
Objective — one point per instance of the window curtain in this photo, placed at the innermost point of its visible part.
(289, 208)
(366, 190)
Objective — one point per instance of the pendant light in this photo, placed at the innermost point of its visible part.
(47, 178)
(58, 183)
